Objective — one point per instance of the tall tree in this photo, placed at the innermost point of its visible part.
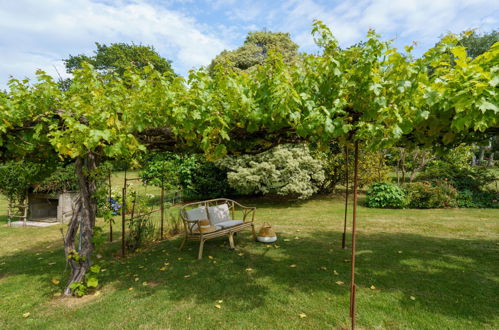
(119, 56)
(478, 43)
(256, 49)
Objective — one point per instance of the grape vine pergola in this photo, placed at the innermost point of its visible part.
(370, 96)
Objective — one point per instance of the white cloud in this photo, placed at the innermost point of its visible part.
(29, 28)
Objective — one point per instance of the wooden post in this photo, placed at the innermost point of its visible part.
(109, 201)
(343, 241)
(162, 207)
(354, 227)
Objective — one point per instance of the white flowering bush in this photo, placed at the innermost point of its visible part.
(288, 170)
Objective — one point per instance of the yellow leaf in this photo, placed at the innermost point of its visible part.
(57, 294)
(241, 254)
(144, 283)
(340, 282)
(180, 258)
(286, 240)
(97, 293)
(214, 261)
(55, 281)
(51, 263)
(373, 287)
(335, 272)
(412, 298)
(220, 301)
(26, 314)
(136, 279)
(399, 251)
(296, 237)
(218, 306)
(249, 269)
(292, 266)
(210, 257)
(141, 266)
(162, 268)
(303, 315)
(130, 289)
(187, 276)
(323, 267)
(276, 246)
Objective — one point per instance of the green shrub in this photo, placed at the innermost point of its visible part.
(424, 195)
(385, 195)
(461, 177)
(286, 170)
(478, 199)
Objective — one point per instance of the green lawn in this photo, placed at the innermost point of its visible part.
(447, 260)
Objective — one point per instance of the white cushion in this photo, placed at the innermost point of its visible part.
(229, 223)
(199, 213)
(219, 213)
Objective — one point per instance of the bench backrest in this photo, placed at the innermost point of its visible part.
(215, 210)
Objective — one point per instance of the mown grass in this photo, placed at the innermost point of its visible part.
(447, 260)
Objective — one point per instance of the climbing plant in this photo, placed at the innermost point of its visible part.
(370, 92)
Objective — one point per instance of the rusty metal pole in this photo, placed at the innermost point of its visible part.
(354, 227)
(109, 201)
(123, 211)
(343, 241)
(162, 206)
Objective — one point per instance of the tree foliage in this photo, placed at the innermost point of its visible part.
(255, 50)
(118, 57)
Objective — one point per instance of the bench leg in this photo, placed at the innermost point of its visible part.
(231, 241)
(183, 242)
(253, 231)
(201, 245)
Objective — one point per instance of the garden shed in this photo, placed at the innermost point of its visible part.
(53, 207)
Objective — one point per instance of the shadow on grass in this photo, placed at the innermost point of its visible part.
(454, 277)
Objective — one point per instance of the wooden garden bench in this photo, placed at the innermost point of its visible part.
(214, 218)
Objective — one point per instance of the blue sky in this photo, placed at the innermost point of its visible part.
(39, 34)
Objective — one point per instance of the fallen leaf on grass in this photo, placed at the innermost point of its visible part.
(162, 269)
(292, 266)
(303, 315)
(136, 279)
(54, 281)
(296, 237)
(340, 282)
(286, 240)
(335, 272)
(220, 301)
(210, 257)
(130, 289)
(51, 263)
(97, 293)
(187, 276)
(218, 306)
(240, 254)
(249, 269)
(25, 315)
(412, 298)
(57, 294)
(399, 251)
(276, 246)
(145, 283)
(373, 287)
(180, 259)
(323, 267)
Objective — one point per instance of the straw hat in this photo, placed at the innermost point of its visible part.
(205, 227)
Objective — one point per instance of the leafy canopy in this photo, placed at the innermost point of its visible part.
(370, 92)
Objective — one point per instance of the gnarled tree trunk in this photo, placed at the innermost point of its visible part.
(82, 222)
